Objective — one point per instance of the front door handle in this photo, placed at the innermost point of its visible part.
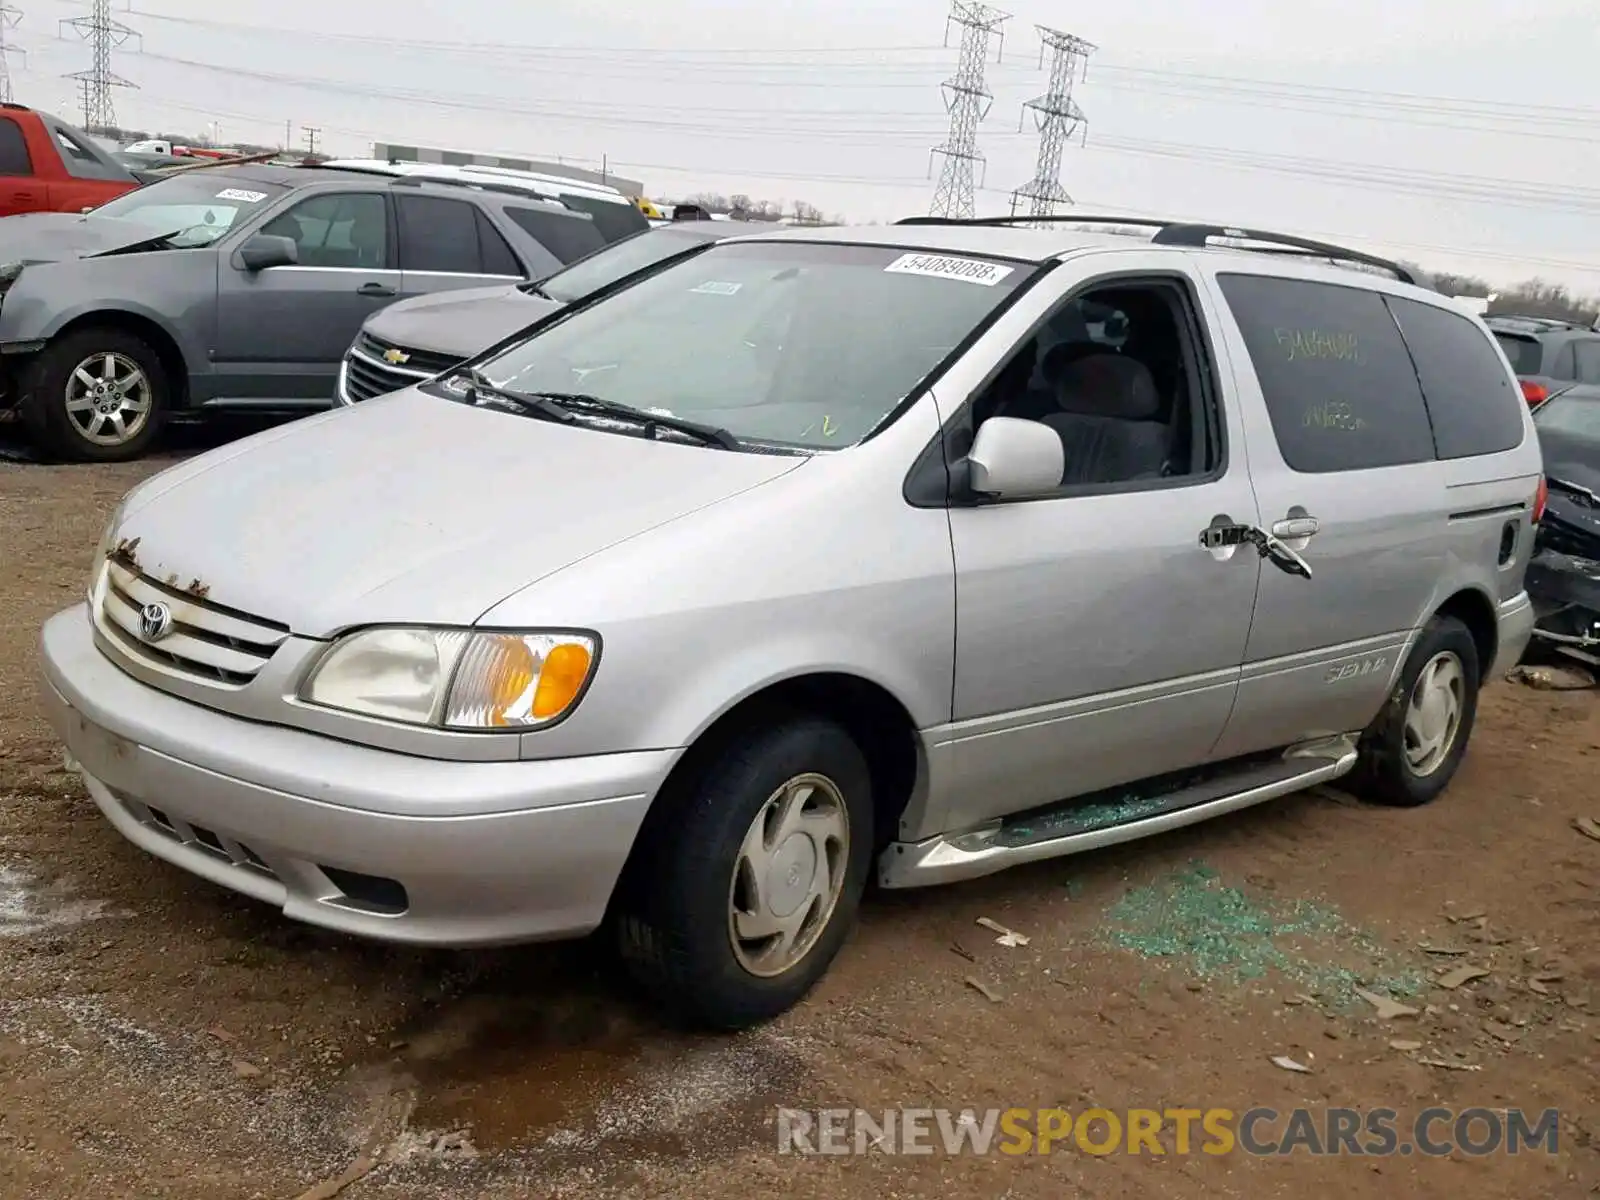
(374, 289)
(1294, 528)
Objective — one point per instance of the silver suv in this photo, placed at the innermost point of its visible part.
(922, 550)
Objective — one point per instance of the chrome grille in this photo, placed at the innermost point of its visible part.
(367, 373)
(207, 641)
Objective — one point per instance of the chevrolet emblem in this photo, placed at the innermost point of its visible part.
(396, 357)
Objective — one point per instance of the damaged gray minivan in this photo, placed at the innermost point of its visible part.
(917, 551)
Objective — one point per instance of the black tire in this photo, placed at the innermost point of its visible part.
(45, 395)
(1385, 775)
(673, 922)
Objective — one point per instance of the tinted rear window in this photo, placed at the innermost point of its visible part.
(1339, 384)
(567, 236)
(1525, 354)
(1470, 399)
(615, 221)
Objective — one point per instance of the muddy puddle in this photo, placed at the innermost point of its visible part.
(547, 1069)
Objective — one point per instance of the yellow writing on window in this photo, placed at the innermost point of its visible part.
(1336, 415)
(1319, 344)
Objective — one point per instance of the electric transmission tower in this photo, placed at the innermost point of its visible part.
(1058, 117)
(8, 21)
(104, 33)
(968, 100)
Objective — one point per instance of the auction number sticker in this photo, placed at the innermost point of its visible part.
(939, 266)
(241, 195)
(713, 287)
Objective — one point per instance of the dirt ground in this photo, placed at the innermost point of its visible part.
(160, 1037)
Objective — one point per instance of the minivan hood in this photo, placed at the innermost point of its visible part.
(459, 323)
(57, 237)
(414, 509)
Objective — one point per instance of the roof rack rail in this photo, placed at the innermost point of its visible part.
(481, 185)
(1191, 234)
(1200, 236)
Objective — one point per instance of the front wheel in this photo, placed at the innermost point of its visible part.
(1411, 752)
(96, 395)
(745, 894)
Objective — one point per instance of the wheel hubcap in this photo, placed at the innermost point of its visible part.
(1433, 715)
(108, 399)
(788, 876)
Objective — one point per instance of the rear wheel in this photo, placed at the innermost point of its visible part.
(1412, 751)
(96, 395)
(745, 893)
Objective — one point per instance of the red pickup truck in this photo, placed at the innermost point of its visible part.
(47, 165)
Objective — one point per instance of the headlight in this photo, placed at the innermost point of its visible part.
(454, 679)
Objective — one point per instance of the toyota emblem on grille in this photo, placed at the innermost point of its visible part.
(155, 622)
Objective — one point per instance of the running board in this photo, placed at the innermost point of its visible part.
(1080, 824)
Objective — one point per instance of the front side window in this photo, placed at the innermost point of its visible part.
(802, 345)
(1338, 381)
(348, 230)
(193, 209)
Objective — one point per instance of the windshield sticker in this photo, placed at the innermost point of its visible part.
(241, 195)
(939, 266)
(712, 288)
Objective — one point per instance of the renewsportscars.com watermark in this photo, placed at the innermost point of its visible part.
(1332, 1132)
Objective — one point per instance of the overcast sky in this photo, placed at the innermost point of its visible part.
(1458, 133)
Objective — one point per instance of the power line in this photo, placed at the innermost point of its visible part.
(9, 19)
(1057, 116)
(968, 101)
(311, 132)
(104, 33)
(908, 182)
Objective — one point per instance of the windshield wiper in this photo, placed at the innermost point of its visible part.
(1575, 489)
(479, 385)
(535, 287)
(710, 435)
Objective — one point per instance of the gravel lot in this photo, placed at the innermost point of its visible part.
(161, 1037)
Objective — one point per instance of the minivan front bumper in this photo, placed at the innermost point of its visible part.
(354, 839)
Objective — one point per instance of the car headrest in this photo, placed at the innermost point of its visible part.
(1109, 385)
(1062, 355)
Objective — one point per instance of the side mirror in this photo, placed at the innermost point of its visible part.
(1012, 458)
(263, 250)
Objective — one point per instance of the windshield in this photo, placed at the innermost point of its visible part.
(1525, 353)
(198, 206)
(799, 344)
(1575, 416)
(605, 266)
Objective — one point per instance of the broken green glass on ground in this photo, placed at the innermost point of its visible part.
(1218, 931)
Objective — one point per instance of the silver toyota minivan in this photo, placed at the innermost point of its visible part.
(914, 551)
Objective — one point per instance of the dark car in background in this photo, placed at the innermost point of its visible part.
(1549, 356)
(417, 339)
(1564, 574)
(238, 287)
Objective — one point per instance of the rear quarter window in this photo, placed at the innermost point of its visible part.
(567, 236)
(14, 157)
(1473, 407)
(1338, 381)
